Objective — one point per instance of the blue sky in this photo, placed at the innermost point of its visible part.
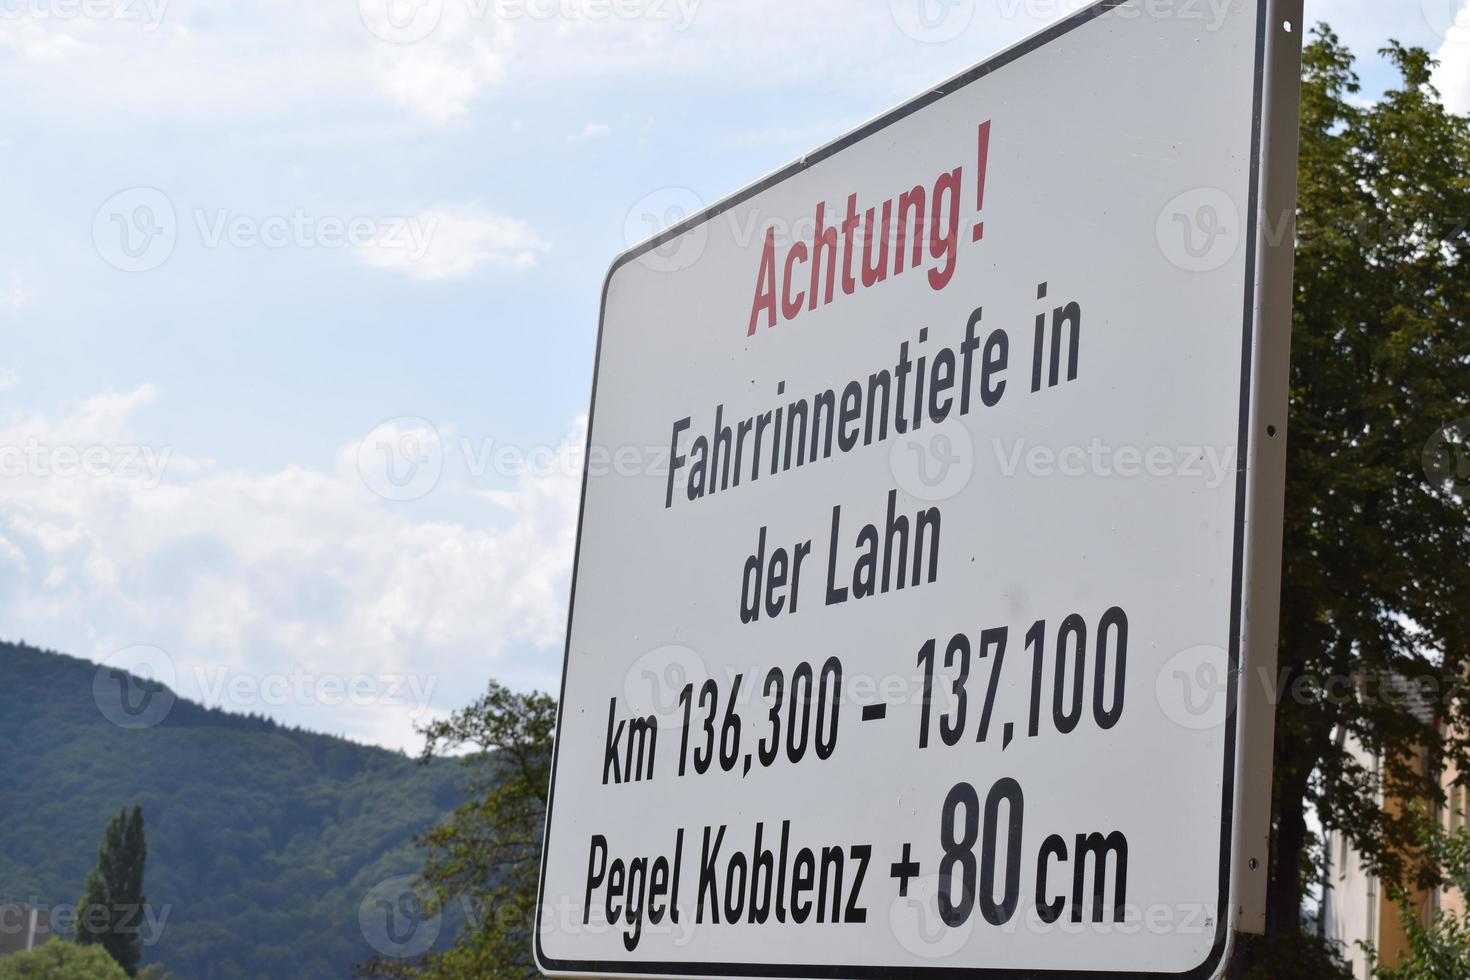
(353, 224)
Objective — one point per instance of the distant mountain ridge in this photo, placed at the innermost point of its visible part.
(263, 841)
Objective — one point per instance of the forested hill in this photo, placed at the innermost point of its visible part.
(263, 841)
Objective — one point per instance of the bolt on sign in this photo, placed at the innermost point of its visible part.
(920, 648)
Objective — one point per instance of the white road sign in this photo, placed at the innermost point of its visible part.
(930, 536)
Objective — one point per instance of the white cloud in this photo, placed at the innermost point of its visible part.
(269, 576)
(441, 76)
(1452, 77)
(30, 40)
(207, 58)
(233, 59)
(228, 59)
(15, 294)
(455, 241)
(591, 131)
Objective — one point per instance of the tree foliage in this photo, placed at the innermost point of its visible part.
(111, 911)
(1439, 949)
(60, 960)
(1376, 589)
(485, 858)
(263, 840)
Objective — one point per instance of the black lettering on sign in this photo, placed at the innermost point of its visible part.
(633, 889)
(887, 560)
(753, 886)
(633, 761)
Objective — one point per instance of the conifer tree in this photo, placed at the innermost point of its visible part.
(110, 913)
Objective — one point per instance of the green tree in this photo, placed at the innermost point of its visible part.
(60, 960)
(1440, 948)
(111, 912)
(1376, 587)
(486, 856)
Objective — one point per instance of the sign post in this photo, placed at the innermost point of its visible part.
(927, 634)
